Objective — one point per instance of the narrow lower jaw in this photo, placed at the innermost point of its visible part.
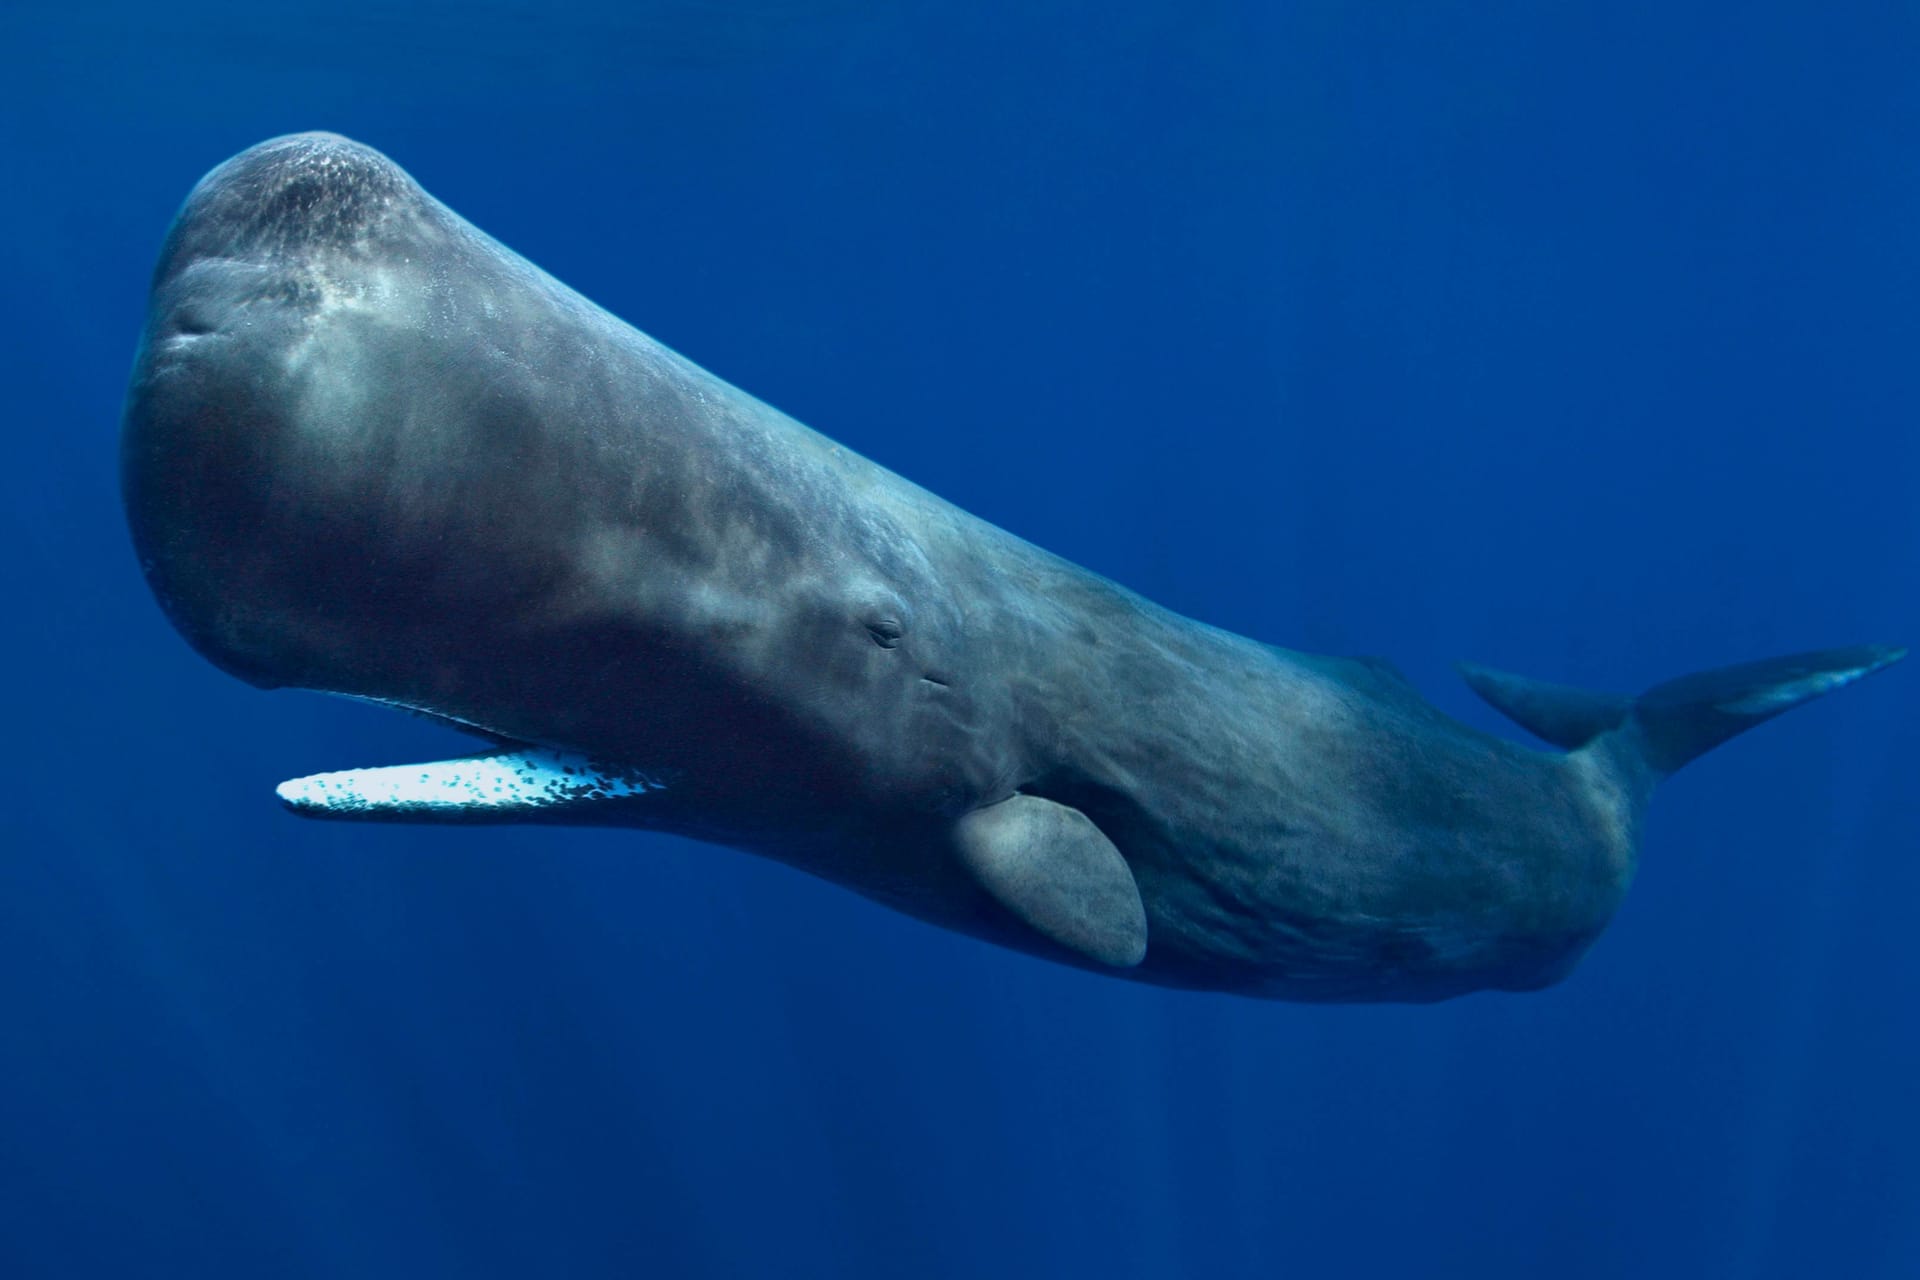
(522, 784)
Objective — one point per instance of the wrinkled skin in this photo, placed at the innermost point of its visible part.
(368, 450)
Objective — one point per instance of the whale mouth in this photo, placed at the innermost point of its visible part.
(517, 782)
(524, 784)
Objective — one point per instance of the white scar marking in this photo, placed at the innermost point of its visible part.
(1792, 692)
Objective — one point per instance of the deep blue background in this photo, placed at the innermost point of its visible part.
(1574, 338)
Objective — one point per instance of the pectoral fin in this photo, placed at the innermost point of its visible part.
(1050, 866)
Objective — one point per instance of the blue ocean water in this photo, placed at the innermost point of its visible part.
(1576, 339)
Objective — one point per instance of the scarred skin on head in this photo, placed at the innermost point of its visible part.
(370, 451)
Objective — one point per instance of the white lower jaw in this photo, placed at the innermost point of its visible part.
(524, 784)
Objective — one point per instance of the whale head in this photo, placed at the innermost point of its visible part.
(335, 476)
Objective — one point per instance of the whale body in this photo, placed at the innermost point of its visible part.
(368, 450)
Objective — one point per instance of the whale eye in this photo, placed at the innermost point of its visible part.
(886, 632)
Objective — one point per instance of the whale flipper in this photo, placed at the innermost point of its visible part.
(523, 785)
(1054, 869)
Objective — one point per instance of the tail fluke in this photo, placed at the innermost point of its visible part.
(1674, 722)
(1561, 714)
(1690, 716)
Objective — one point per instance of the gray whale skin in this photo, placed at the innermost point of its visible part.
(368, 450)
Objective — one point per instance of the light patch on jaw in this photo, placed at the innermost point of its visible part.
(500, 786)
